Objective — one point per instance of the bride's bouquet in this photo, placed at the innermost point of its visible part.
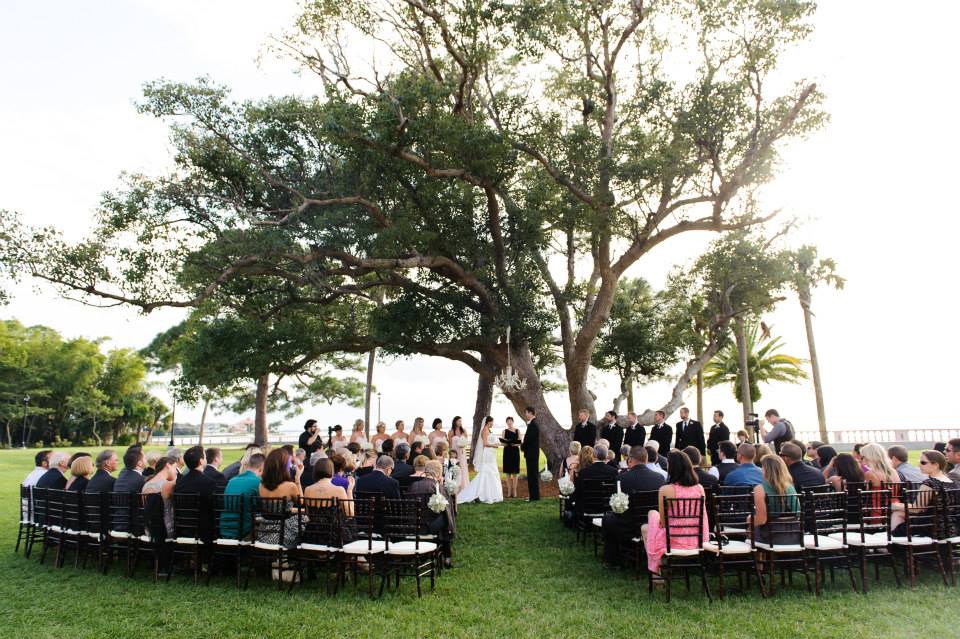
(437, 502)
(546, 476)
(619, 501)
(365, 446)
(452, 483)
(566, 486)
(423, 439)
(461, 441)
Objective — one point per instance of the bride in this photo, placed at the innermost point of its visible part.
(486, 485)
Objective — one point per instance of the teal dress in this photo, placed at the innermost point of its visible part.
(782, 510)
(235, 523)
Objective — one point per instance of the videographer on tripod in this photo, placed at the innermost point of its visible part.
(752, 426)
(781, 431)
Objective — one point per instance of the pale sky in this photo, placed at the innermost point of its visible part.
(875, 185)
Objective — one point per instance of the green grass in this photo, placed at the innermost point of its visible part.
(518, 574)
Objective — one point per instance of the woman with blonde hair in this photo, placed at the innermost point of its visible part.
(150, 460)
(418, 434)
(571, 463)
(762, 451)
(80, 471)
(380, 437)
(878, 468)
(358, 436)
(586, 457)
(774, 498)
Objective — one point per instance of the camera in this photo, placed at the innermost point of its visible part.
(329, 431)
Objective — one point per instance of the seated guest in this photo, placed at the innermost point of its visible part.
(246, 483)
(571, 462)
(762, 451)
(80, 471)
(41, 466)
(401, 469)
(708, 481)
(952, 454)
(415, 450)
(846, 471)
(825, 455)
(130, 479)
(386, 448)
(339, 475)
(210, 469)
(618, 529)
(612, 460)
(275, 482)
(370, 460)
(746, 473)
(598, 470)
(661, 456)
(682, 483)
(624, 453)
(324, 488)
(234, 469)
(586, 457)
(802, 475)
(877, 468)
(899, 457)
(419, 466)
(300, 455)
(150, 463)
(727, 453)
(194, 482)
(933, 464)
(742, 437)
(775, 497)
(811, 452)
(653, 459)
(176, 455)
(440, 449)
(102, 480)
(442, 524)
(379, 482)
(162, 483)
(55, 477)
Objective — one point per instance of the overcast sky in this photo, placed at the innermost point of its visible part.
(876, 185)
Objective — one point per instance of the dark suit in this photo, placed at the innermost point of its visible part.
(707, 480)
(218, 478)
(195, 482)
(128, 481)
(598, 470)
(531, 455)
(231, 471)
(691, 435)
(805, 476)
(585, 433)
(377, 483)
(618, 529)
(101, 482)
(718, 433)
(613, 433)
(444, 524)
(401, 470)
(634, 435)
(79, 485)
(663, 435)
(53, 478)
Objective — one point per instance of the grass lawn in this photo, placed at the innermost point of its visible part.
(518, 574)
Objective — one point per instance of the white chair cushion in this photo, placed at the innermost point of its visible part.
(411, 548)
(729, 548)
(822, 542)
(145, 539)
(188, 541)
(951, 540)
(262, 545)
(231, 542)
(779, 547)
(733, 530)
(916, 541)
(637, 540)
(93, 535)
(873, 540)
(364, 547)
(317, 548)
(683, 552)
(116, 534)
(597, 521)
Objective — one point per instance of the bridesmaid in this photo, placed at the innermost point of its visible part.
(380, 437)
(511, 456)
(437, 433)
(400, 435)
(458, 444)
(358, 436)
(418, 434)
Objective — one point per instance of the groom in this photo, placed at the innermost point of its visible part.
(531, 453)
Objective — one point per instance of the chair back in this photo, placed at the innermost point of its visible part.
(121, 508)
(824, 514)
(26, 503)
(593, 496)
(192, 516)
(950, 514)
(922, 517)
(735, 490)
(402, 519)
(641, 503)
(231, 515)
(270, 515)
(784, 525)
(683, 522)
(318, 521)
(51, 505)
(96, 511)
(732, 514)
(151, 516)
(875, 512)
(72, 510)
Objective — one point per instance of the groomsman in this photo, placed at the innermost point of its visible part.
(662, 432)
(635, 434)
(690, 432)
(531, 453)
(612, 432)
(719, 432)
(585, 431)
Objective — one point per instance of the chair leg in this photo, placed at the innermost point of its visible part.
(863, 570)
(703, 581)
(720, 575)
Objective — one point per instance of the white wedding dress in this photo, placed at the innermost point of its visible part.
(486, 485)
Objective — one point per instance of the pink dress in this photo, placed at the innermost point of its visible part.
(461, 461)
(657, 535)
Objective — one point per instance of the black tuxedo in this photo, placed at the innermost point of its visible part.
(691, 435)
(663, 435)
(101, 482)
(128, 481)
(401, 470)
(640, 479)
(377, 483)
(613, 434)
(598, 470)
(443, 524)
(585, 433)
(718, 433)
(53, 478)
(217, 477)
(634, 435)
(805, 476)
(531, 455)
(617, 529)
(707, 480)
(195, 482)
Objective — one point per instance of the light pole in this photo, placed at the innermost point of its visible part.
(378, 407)
(23, 436)
(173, 421)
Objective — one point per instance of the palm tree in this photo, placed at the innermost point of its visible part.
(765, 363)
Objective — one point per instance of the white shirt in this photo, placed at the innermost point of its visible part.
(655, 467)
(34, 476)
(714, 471)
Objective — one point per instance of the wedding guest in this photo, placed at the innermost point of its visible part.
(586, 456)
(176, 455)
(690, 433)
(878, 469)
(41, 463)
(682, 483)
(275, 482)
(436, 431)
(825, 455)
(458, 444)
(762, 451)
(742, 437)
(55, 477)
(379, 482)
(236, 467)
(442, 524)
(416, 448)
(400, 434)
(811, 451)
(856, 454)
(618, 529)
(339, 475)
(952, 455)
(367, 463)
(624, 453)
(102, 480)
(933, 464)
(611, 431)
(310, 439)
(359, 435)
(246, 483)
(746, 473)
(773, 498)
(130, 479)
(324, 488)
(661, 432)
(419, 465)
(386, 448)
(571, 462)
(214, 459)
(634, 434)
(194, 482)
(584, 431)
(162, 483)
(441, 449)
(511, 457)
(802, 475)
(846, 471)
(653, 459)
(401, 469)
(380, 436)
(80, 471)
(899, 459)
(708, 481)
(660, 458)
(719, 432)
(598, 470)
(727, 460)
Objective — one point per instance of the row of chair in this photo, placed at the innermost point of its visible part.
(829, 530)
(236, 533)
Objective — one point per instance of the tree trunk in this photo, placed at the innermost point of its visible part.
(700, 396)
(96, 435)
(630, 407)
(746, 399)
(814, 366)
(371, 359)
(482, 406)
(624, 394)
(260, 434)
(203, 419)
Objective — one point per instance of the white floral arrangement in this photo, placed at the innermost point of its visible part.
(546, 476)
(619, 501)
(437, 503)
(380, 446)
(423, 439)
(566, 486)
(461, 441)
(366, 446)
(452, 486)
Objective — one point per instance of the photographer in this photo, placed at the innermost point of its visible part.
(310, 440)
(781, 433)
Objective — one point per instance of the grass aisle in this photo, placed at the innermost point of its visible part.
(518, 574)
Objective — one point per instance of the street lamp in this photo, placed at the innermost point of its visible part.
(378, 407)
(23, 437)
(173, 421)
